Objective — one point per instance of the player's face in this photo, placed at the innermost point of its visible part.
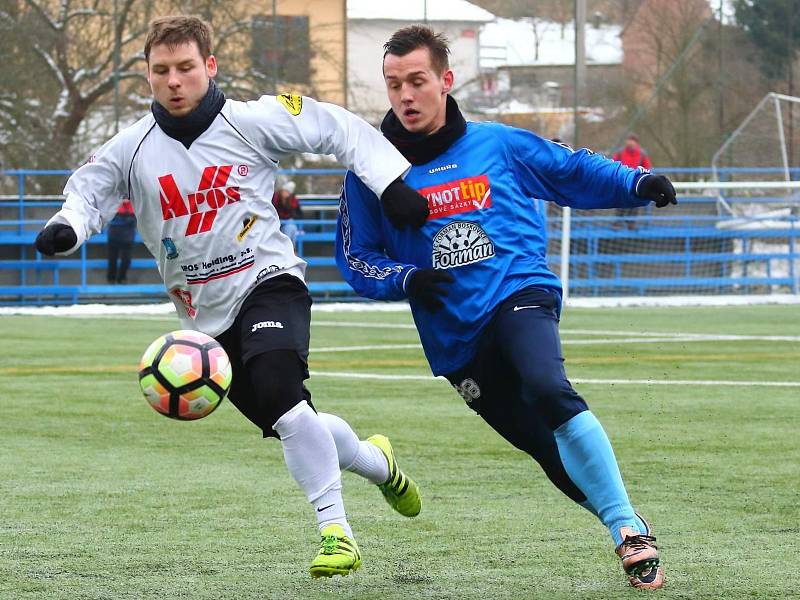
(417, 91)
(179, 76)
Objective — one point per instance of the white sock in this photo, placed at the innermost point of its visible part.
(310, 455)
(361, 458)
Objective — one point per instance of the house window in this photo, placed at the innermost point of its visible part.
(281, 48)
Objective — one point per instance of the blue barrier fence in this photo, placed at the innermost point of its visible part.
(699, 251)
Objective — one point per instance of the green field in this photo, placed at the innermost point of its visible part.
(104, 498)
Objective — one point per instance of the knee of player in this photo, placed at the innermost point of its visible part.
(277, 379)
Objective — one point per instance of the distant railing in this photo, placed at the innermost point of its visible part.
(691, 249)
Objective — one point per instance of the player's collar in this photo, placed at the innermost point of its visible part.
(187, 129)
(419, 148)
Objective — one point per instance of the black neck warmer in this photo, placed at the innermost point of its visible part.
(187, 129)
(419, 148)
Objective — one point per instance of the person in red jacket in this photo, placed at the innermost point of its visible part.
(288, 207)
(631, 155)
(121, 234)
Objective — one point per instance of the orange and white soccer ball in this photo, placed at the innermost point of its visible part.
(185, 374)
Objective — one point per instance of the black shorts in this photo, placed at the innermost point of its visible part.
(275, 316)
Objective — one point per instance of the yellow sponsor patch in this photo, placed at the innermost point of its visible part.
(248, 225)
(291, 102)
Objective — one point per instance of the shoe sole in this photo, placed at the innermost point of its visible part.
(638, 568)
(653, 581)
(317, 572)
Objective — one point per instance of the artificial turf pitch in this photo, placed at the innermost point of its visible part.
(104, 498)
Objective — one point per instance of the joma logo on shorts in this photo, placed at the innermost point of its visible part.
(265, 324)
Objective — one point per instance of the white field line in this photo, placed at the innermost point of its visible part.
(361, 348)
(657, 336)
(363, 325)
(692, 338)
(711, 382)
(677, 382)
(584, 342)
(684, 335)
(648, 336)
(379, 376)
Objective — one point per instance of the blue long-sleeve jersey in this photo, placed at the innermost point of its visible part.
(483, 227)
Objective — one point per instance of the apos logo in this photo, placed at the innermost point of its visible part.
(201, 206)
(461, 195)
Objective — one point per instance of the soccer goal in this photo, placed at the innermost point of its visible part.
(737, 236)
(765, 146)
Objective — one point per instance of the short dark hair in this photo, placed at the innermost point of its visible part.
(410, 38)
(175, 30)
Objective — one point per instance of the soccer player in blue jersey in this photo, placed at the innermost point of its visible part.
(485, 304)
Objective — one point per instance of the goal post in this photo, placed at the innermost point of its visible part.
(764, 147)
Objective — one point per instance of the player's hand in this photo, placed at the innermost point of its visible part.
(428, 287)
(658, 189)
(56, 237)
(403, 206)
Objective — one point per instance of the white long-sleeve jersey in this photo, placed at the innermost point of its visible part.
(206, 213)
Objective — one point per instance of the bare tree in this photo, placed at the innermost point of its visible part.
(61, 67)
(68, 47)
(675, 93)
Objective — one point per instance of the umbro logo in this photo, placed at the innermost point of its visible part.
(266, 324)
(442, 168)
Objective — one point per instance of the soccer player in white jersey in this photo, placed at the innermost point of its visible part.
(200, 172)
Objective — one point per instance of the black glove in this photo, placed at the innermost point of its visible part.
(403, 206)
(658, 189)
(56, 237)
(427, 286)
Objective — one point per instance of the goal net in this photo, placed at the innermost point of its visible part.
(765, 147)
(691, 249)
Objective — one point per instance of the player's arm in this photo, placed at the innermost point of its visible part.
(289, 124)
(362, 258)
(360, 248)
(580, 178)
(93, 195)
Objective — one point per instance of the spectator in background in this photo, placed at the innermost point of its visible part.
(631, 155)
(288, 207)
(121, 232)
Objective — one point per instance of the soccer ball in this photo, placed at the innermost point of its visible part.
(185, 374)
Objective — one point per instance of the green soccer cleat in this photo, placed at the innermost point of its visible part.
(338, 554)
(400, 491)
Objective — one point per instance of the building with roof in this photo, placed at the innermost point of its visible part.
(531, 62)
(370, 23)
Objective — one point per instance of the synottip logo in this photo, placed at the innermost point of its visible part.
(459, 196)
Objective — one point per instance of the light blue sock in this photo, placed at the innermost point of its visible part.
(589, 461)
(639, 522)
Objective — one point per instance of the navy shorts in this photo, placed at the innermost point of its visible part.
(516, 381)
(275, 316)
